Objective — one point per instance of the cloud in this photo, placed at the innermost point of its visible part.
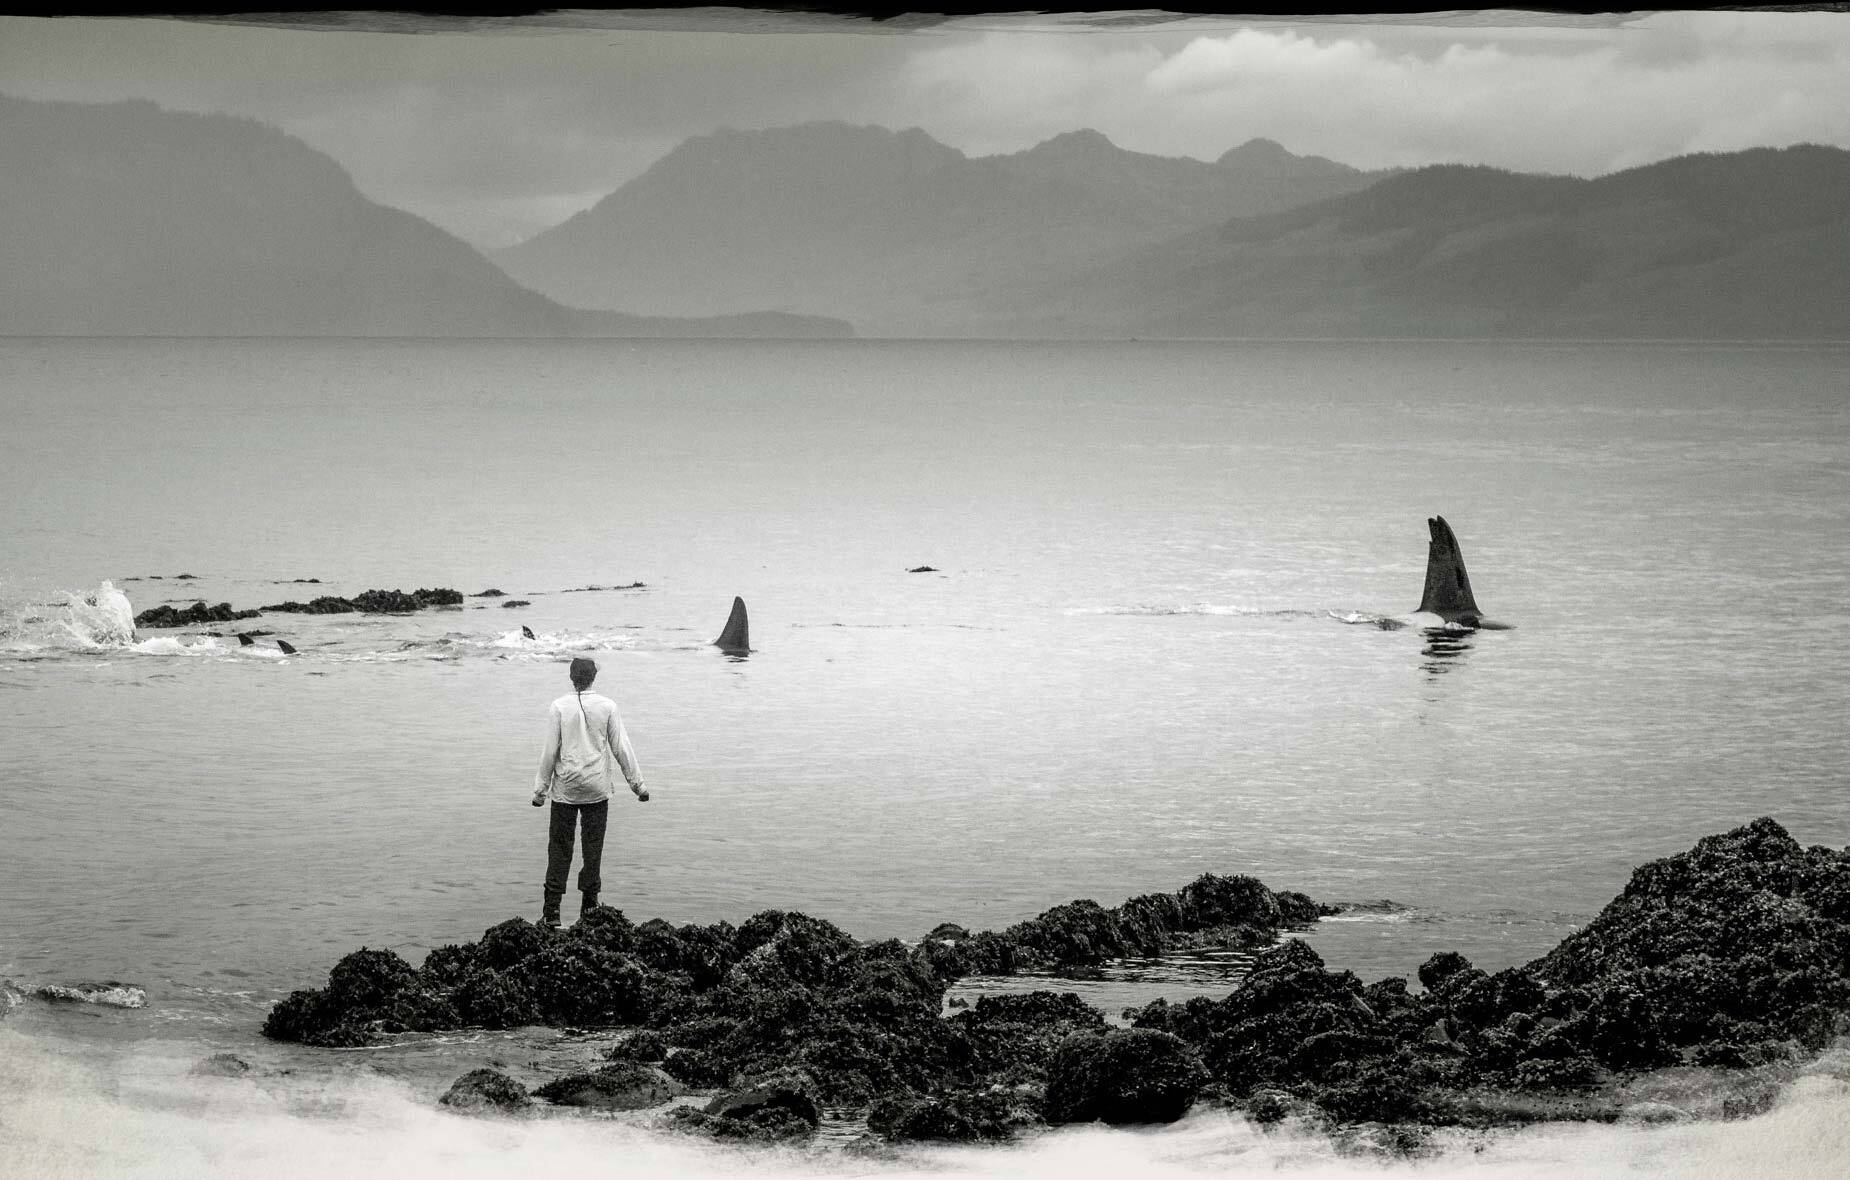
(497, 134)
(1567, 100)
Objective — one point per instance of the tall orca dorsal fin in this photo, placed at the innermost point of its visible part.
(527, 633)
(1448, 587)
(737, 636)
(244, 640)
(283, 646)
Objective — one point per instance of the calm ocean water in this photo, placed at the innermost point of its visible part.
(1149, 651)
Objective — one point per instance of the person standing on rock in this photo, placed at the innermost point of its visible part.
(584, 734)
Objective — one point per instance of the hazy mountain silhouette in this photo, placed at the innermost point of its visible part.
(1743, 245)
(892, 230)
(125, 219)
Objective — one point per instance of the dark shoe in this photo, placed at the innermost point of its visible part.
(550, 915)
(589, 902)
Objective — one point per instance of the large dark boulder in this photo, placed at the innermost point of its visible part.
(773, 1124)
(1441, 967)
(789, 1098)
(1123, 1076)
(986, 1114)
(363, 991)
(369, 978)
(1211, 901)
(486, 1091)
(621, 1085)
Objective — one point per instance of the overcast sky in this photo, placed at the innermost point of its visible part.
(499, 132)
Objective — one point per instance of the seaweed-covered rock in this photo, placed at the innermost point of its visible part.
(1147, 924)
(419, 1009)
(643, 1045)
(505, 944)
(486, 1091)
(773, 1124)
(1742, 927)
(703, 953)
(1211, 901)
(1734, 954)
(372, 602)
(1079, 933)
(1441, 967)
(399, 602)
(195, 615)
(781, 1096)
(492, 999)
(577, 983)
(988, 1114)
(369, 979)
(1012, 1037)
(1296, 909)
(363, 989)
(622, 1085)
(1123, 1076)
(697, 1068)
(445, 966)
(1728, 955)
(327, 604)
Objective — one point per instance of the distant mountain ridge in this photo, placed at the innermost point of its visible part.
(891, 229)
(126, 219)
(1742, 245)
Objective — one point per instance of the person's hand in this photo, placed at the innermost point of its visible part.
(642, 793)
(539, 798)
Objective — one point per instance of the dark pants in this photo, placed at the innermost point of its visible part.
(565, 816)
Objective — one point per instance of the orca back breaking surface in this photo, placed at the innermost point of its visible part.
(737, 635)
(1448, 587)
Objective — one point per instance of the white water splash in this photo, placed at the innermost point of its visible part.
(99, 618)
(87, 620)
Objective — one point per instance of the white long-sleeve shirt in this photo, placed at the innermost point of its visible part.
(583, 734)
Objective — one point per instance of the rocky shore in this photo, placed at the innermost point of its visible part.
(365, 602)
(379, 602)
(1731, 958)
(193, 616)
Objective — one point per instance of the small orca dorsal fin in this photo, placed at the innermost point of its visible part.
(245, 640)
(737, 636)
(283, 646)
(1448, 587)
(527, 633)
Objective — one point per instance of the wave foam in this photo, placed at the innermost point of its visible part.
(141, 1112)
(87, 620)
